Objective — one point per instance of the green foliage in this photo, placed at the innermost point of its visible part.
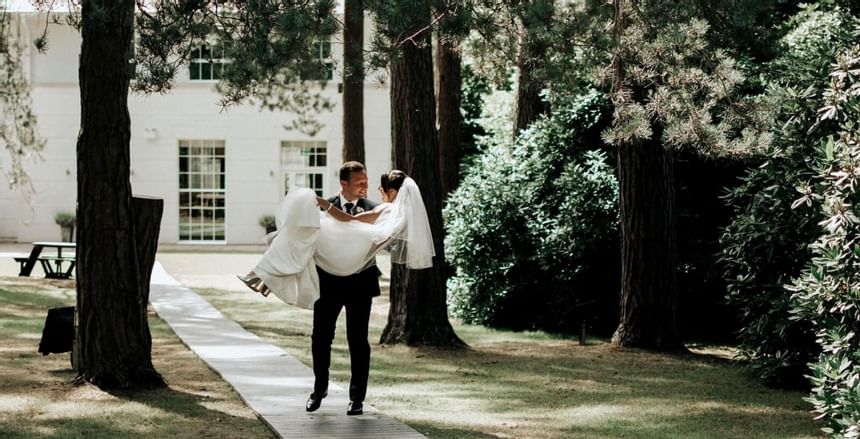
(532, 223)
(18, 130)
(65, 219)
(562, 49)
(673, 85)
(398, 23)
(767, 243)
(473, 91)
(827, 294)
(493, 45)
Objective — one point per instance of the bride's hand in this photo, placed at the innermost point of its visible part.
(323, 203)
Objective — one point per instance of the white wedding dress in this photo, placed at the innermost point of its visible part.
(307, 237)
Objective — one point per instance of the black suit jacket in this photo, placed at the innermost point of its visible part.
(363, 203)
(363, 282)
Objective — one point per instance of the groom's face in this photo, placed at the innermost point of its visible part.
(356, 187)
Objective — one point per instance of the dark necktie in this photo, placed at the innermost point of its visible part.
(348, 208)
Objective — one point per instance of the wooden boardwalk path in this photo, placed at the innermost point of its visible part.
(274, 384)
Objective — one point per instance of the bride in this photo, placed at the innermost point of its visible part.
(311, 233)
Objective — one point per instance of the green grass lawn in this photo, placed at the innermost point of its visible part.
(508, 384)
(531, 385)
(38, 401)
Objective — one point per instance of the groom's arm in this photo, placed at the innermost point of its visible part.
(329, 207)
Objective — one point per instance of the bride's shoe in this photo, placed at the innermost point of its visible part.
(256, 284)
(264, 290)
(250, 280)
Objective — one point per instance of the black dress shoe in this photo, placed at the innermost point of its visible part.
(355, 408)
(314, 401)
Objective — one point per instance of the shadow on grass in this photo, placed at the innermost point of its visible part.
(107, 428)
(528, 384)
(693, 426)
(435, 430)
(37, 399)
(185, 404)
(593, 391)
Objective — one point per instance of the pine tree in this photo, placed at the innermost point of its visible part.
(671, 89)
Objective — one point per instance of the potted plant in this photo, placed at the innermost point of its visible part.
(268, 223)
(66, 221)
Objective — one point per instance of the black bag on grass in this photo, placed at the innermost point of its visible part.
(59, 332)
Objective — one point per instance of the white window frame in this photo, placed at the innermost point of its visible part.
(200, 61)
(301, 159)
(201, 187)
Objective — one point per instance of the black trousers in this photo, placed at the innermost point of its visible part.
(355, 293)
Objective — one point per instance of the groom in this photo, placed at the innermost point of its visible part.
(353, 292)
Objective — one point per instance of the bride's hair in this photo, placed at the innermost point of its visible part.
(393, 180)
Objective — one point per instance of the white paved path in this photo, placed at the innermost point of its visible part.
(270, 381)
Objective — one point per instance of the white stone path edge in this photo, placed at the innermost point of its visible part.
(271, 382)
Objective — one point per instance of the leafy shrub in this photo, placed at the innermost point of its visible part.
(532, 226)
(767, 243)
(268, 222)
(64, 219)
(827, 295)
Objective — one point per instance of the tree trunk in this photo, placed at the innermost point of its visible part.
(147, 225)
(353, 81)
(649, 289)
(532, 52)
(646, 187)
(529, 103)
(418, 314)
(113, 344)
(448, 114)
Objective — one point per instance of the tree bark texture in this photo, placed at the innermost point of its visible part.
(418, 313)
(450, 120)
(353, 81)
(147, 225)
(649, 291)
(532, 51)
(529, 103)
(113, 344)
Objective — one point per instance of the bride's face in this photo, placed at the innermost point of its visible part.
(388, 196)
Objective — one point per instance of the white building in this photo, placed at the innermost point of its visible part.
(217, 171)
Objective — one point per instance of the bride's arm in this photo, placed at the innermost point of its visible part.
(366, 217)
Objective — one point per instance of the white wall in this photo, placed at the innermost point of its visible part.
(190, 111)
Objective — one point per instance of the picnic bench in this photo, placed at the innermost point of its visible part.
(55, 267)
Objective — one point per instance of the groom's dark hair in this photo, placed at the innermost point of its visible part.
(348, 168)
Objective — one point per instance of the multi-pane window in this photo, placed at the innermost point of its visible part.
(206, 63)
(303, 164)
(322, 67)
(201, 190)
